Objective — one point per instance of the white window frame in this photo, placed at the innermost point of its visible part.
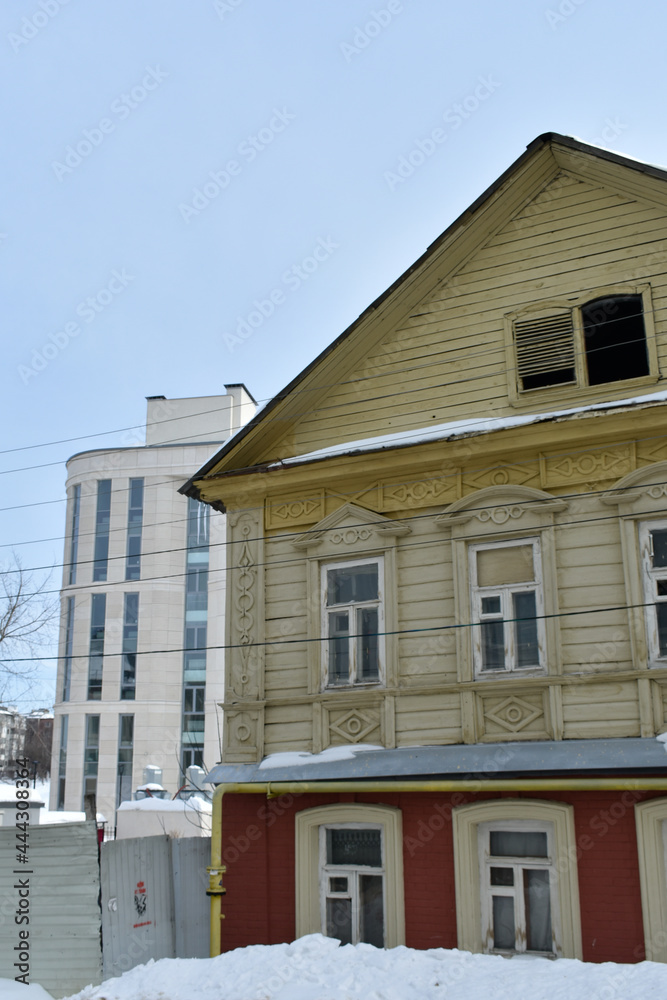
(506, 592)
(326, 609)
(651, 821)
(650, 576)
(487, 891)
(352, 873)
(467, 821)
(309, 868)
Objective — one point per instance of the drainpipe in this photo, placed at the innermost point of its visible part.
(272, 789)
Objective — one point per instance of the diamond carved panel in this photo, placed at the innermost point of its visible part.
(512, 717)
(354, 726)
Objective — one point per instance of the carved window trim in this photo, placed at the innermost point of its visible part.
(650, 577)
(469, 823)
(307, 870)
(640, 498)
(353, 647)
(579, 387)
(493, 515)
(351, 534)
(651, 822)
(506, 592)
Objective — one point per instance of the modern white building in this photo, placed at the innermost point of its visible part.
(140, 669)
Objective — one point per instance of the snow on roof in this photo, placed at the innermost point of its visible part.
(319, 968)
(151, 786)
(470, 760)
(460, 428)
(166, 805)
(51, 818)
(296, 758)
(8, 795)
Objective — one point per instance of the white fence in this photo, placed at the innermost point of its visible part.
(154, 902)
(60, 883)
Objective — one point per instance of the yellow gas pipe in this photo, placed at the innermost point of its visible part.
(274, 788)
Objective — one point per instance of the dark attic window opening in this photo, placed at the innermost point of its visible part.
(614, 339)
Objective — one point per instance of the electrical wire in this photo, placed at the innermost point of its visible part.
(484, 352)
(296, 559)
(319, 639)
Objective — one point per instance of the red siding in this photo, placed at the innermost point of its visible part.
(258, 849)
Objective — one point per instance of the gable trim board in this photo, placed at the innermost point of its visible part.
(521, 182)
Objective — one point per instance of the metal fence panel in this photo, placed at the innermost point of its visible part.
(137, 902)
(64, 884)
(192, 908)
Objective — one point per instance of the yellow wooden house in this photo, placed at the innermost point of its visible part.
(447, 594)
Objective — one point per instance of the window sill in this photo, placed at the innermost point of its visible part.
(580, 394)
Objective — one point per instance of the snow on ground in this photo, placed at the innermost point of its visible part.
(318, 968)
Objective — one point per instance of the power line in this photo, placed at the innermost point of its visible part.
(320, 639)
(484, 352)
(518, 531)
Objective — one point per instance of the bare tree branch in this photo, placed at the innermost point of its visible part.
(28, 616)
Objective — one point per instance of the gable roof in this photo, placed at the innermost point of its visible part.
(543, 158)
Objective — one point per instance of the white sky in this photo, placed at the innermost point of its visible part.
(335, 120)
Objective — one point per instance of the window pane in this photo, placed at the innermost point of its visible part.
(505, 565)
(352, 583)
(503, 922)
(661, 612)
(371, 910)
(493, 645)
(518, 844)
(339, 648)
(538, 910)
(491, 605)
(525, 632)
(338, 884)
(659, 546)
(502, 876)
(614, 338)
(354, 847)
(367, 644)
(339, 919)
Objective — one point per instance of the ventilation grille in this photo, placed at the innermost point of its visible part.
(545, 350)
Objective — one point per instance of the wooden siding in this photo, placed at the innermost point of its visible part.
(447, 361)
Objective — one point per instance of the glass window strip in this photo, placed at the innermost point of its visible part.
(74, 534)
(69, 645)
(128, 672)
(125, 759)
(102, 523)
(135, 517)
(96, 654)
(62, 763)
(195, 627)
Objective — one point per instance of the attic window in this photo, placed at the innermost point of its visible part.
(614, 338)
(602, 341)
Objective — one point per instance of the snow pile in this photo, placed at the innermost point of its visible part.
(318, 968)
(11, 990)
(194, 803)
